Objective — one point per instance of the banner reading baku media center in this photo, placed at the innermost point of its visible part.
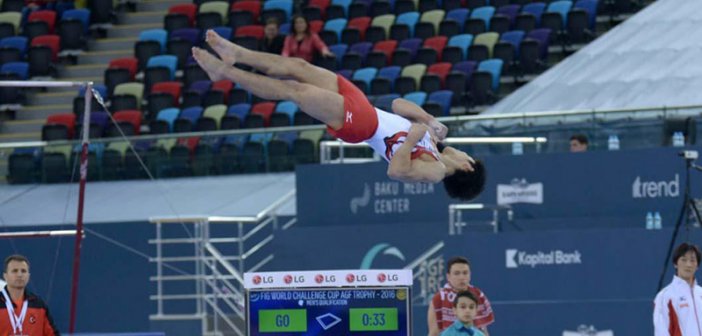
(619, 187)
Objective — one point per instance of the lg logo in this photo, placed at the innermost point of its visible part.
(257, 280)
(319, 278)
(382, 277)
(350, 278)
(293, 279)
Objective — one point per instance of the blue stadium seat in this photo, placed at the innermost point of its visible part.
(284, 5)
(339, 50)
(536, 9)
(417, 97)
(384, 102)
(410, 19)
(336, 25)
(168, 61)
(513, 37)
(494, 67)
(261, 137)
(412, 45)
(239, 110)
(83, 15)
(389, 72)
(484, 13)
(591, 7)
(225, 32)
(462, 41)
(366, 75)
(443, 98)
(191, 113)
(343, 4)
(21, 69)
(459, 15)
(100, 88)
(17, 42)
(193, 35)
(361, 48)
(168, 115)
(287, 107)
(158, 35)
(560, 7)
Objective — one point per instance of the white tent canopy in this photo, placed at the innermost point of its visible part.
(650, 60)
(137, 201)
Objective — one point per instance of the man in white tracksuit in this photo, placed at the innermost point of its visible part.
(678, 307)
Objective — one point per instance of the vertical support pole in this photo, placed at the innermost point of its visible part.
(81, 201)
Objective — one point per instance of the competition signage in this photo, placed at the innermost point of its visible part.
(329, 303)
(307, 279)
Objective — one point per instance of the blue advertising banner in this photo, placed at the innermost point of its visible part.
(540, 282)
(616, 188)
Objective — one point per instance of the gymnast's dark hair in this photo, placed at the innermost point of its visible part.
(466, 185)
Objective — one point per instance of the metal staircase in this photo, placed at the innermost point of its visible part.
(200, 262)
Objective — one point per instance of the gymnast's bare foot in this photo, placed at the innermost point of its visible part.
(214, 67)
(228, 51)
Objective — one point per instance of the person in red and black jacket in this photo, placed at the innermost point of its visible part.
(22, 312)
(303, 43)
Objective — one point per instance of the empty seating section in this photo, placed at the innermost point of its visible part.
(447, 56)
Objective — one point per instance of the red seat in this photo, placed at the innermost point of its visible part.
(360, 23)
(129, 63)
(321, 4)
(188, 10)
(47, 16)
(130, 116)
(387, 47)
(254, 7)
(190, 142)
(172, 88)
(66, 119)
(265, 109)
(441, 69)
(255, 31)
(316, 26)
(437, 43)
(224, 86)
(52, 41)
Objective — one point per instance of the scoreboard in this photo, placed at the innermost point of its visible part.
(329, 303)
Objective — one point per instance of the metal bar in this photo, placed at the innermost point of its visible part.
(177, 317)
(38, 234)
(257, 247)
(42, 84)
(81, 200)
(173, 297)
(256, 229)
(173, 241)
(159, 268)
(261, 263)
(438, 246)
(227, 266)
(290, 223)
(174, 259)
(186, 277)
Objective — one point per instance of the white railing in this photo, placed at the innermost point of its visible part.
(199, 274)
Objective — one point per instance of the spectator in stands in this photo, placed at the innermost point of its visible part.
(578, 143)
(407, 139)
(675, 311)
(26, 313)
(441, 314)
(272, 42)
(303, 43)
(465, 308)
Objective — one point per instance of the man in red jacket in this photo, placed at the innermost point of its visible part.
(24, 313)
